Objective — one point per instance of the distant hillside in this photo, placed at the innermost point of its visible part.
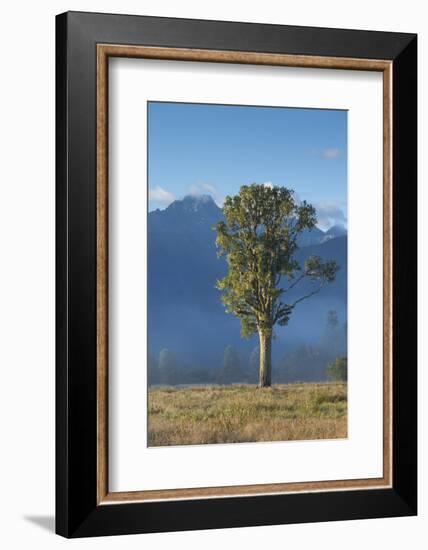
(333, 232)
(185, 311)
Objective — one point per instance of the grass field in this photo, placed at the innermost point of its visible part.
(244, 413)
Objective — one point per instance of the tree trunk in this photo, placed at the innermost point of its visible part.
(265, 374)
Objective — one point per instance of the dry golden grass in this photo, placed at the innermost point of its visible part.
(245, 413)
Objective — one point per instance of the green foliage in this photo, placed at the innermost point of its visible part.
(167, 367)
(259, 239)
(338, 369)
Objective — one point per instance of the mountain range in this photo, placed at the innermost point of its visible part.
(185, 313)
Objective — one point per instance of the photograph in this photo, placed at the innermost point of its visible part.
(213, 263)
(247, 228)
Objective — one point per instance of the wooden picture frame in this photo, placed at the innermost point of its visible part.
(84, 504)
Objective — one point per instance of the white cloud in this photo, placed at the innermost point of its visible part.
(329, 214)
(207, 189)
(268, 184)
(331, 153)
(161, 196)
(201, 189)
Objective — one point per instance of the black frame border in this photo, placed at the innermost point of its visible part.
(77, 512)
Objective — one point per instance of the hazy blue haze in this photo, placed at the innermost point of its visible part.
(185, 314)
(201, 151)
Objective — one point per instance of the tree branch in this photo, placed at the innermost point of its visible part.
(293, 284)
(309, 295)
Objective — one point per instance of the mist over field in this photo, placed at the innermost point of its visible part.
(188, 328)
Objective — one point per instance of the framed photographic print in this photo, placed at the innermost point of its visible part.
(236, 274)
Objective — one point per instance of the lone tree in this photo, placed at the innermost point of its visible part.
(259, 239)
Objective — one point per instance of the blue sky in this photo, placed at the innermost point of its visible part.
(214, 149)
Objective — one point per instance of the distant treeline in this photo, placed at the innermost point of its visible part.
(325, 360)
